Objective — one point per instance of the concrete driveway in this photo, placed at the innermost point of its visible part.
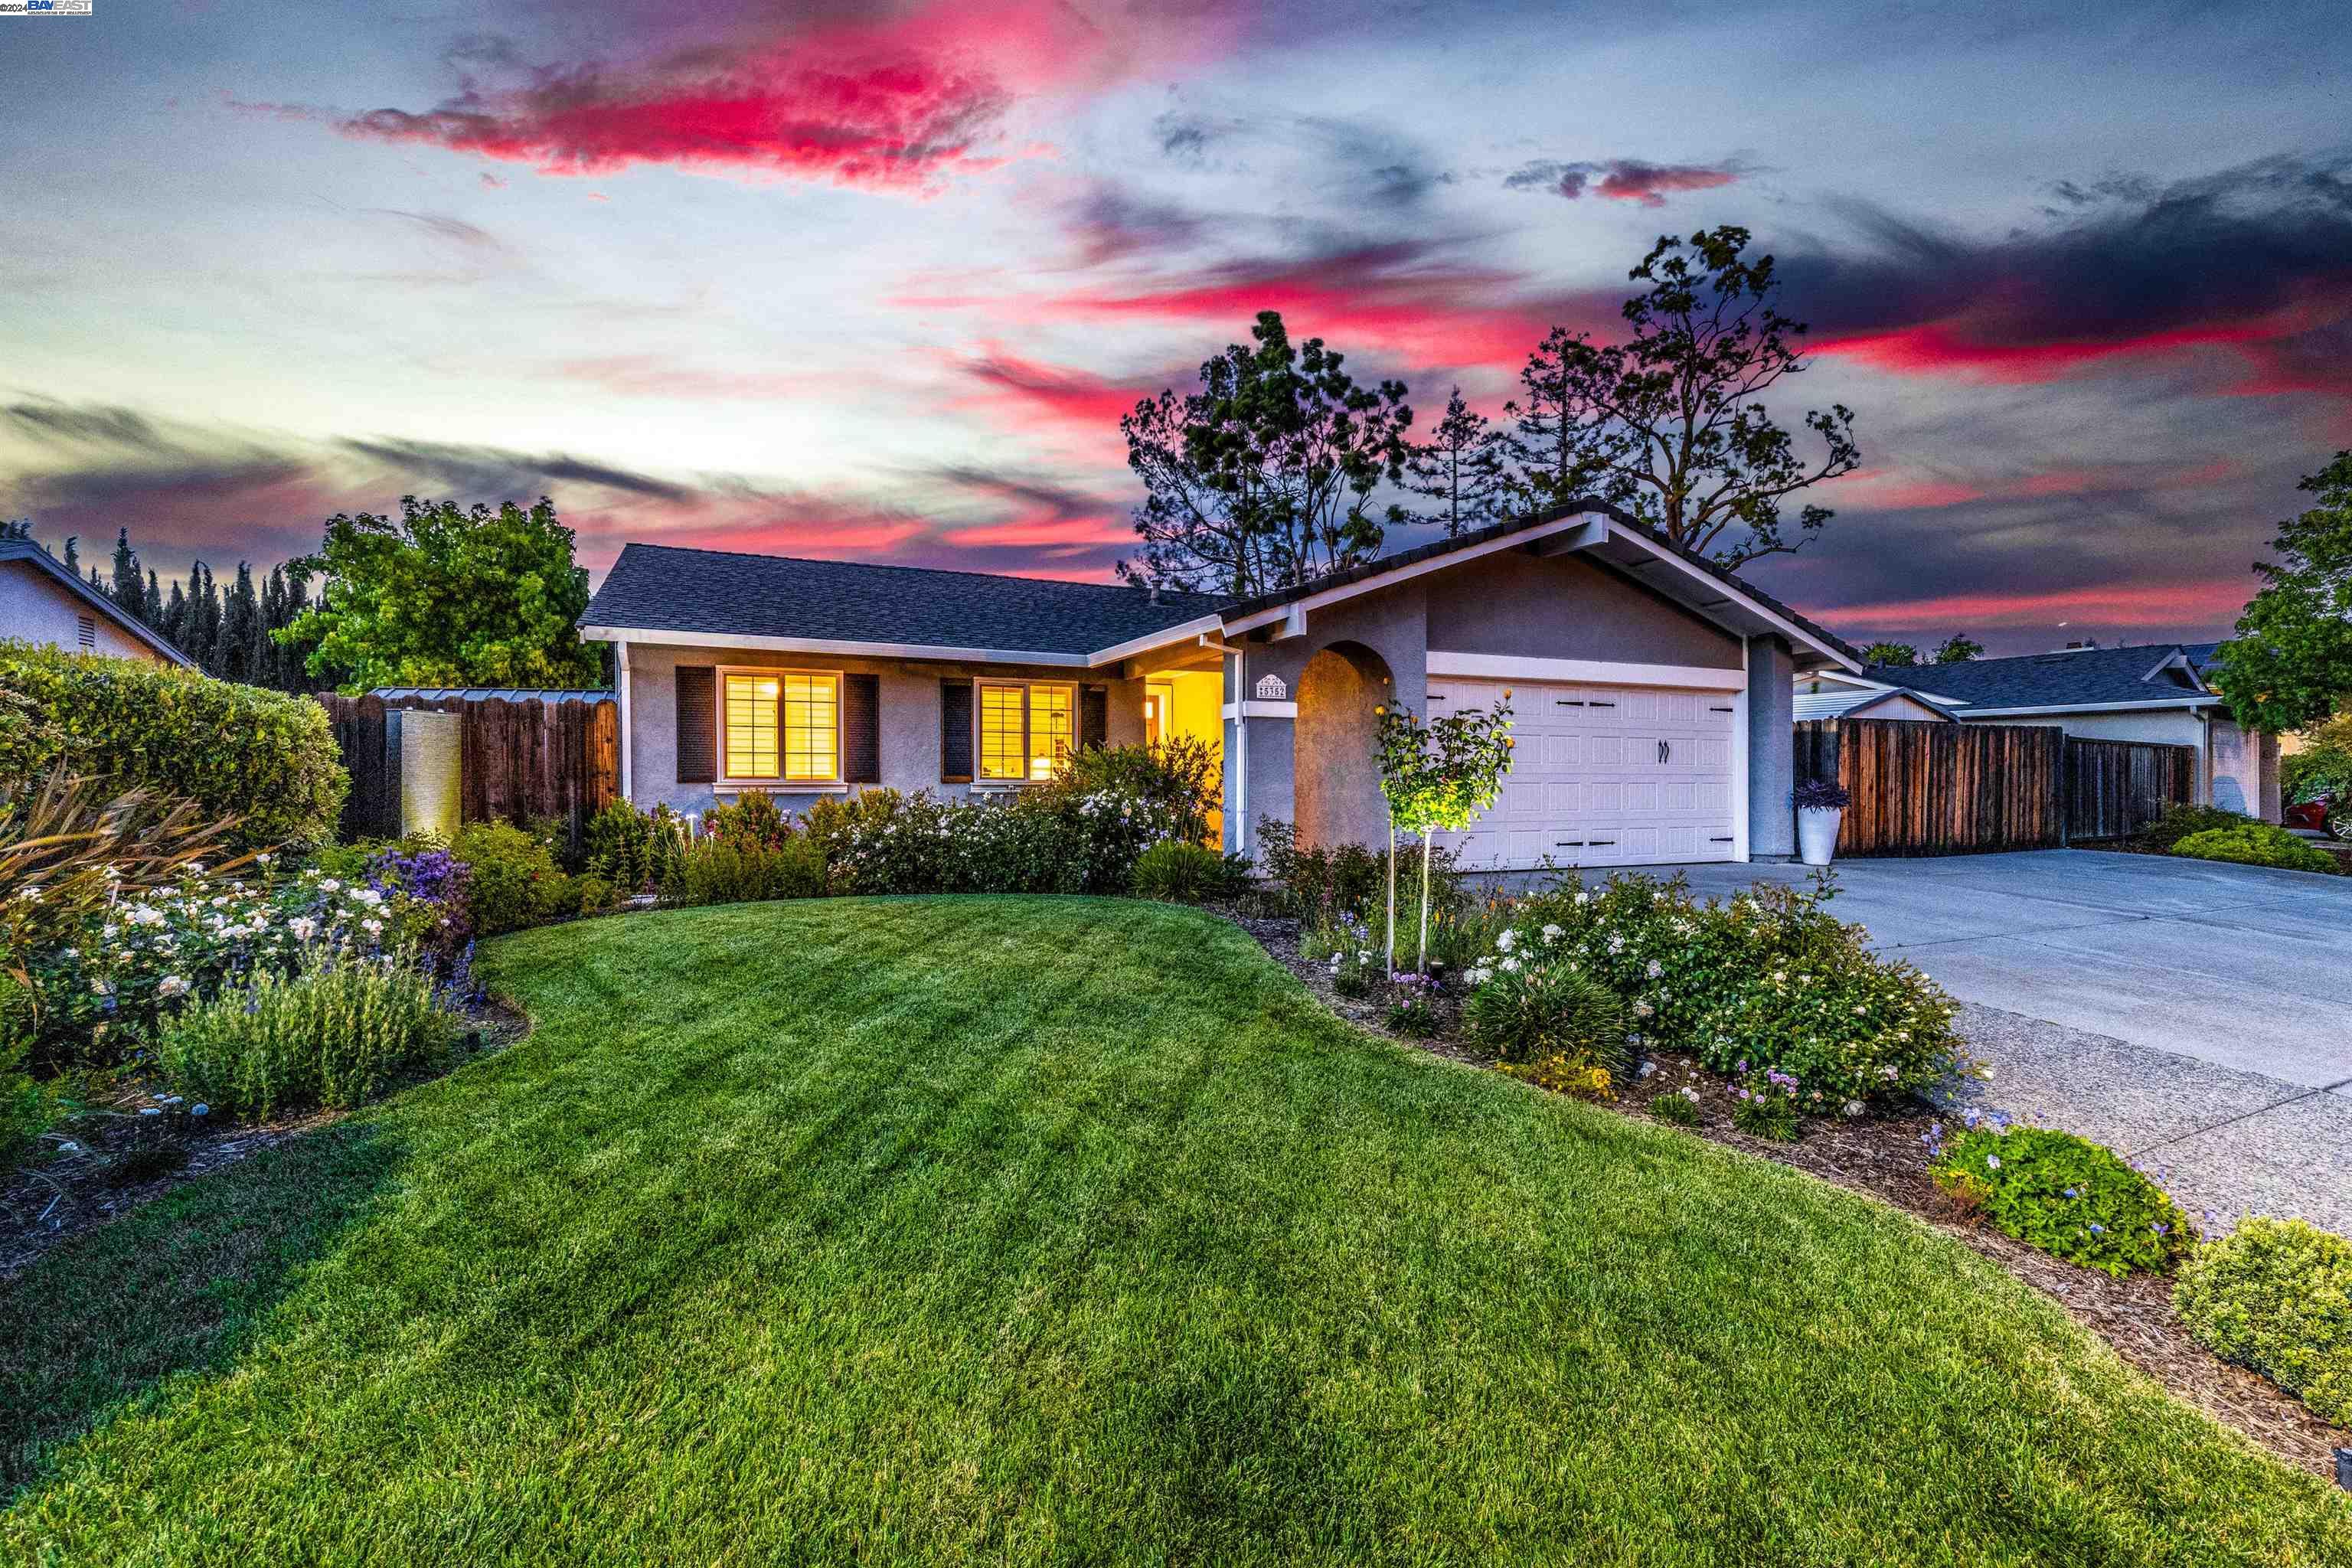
(2197, 1014)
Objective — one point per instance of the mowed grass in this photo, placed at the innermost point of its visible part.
(1054, 1230)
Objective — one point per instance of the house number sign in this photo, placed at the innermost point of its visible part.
(1270, 688)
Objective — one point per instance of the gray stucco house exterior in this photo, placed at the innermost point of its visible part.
(1651, 689)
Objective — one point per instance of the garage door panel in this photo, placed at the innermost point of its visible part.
(1605, 776)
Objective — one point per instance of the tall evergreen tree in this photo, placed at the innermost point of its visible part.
(1461, 468)
(174, 624)
(129, 590)
(73, 554)
(150, 603)
(240, 629)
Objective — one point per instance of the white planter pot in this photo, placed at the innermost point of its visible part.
(1817, 831)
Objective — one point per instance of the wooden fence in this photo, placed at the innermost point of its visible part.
(1967, 789)
(519, 759)
(2115, 788)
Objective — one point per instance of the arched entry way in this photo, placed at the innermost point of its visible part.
(1337, 781)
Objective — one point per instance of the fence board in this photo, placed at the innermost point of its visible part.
(519, 760)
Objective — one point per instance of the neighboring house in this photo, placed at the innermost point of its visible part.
(1650, 687)
(1852, 697)
(2148, 693)
(41, 602)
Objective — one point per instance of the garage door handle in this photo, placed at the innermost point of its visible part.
(1568, 844)
(1665, 750)
(1605, 705)
(1603, 843)
(1568, 701)
(1725, 840)
(1723, 710)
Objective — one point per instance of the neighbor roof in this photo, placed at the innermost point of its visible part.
(659, 587)
(1856, 702)
(41, 559)
(2084, 678)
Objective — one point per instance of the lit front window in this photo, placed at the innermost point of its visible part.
(1025, 729)
(784, 726)
(1050, 735)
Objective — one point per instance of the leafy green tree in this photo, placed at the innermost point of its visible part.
(1461, 468)
(1441, 776)
(1670, 424)
(1958, 648)
(2290, 662)
(1263, 479)
(448, 597)
(1901, 655)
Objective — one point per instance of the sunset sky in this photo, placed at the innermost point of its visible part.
(878, 280)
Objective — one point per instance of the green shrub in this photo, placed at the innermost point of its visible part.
(263, 757)
(1535, 1002)
(2323, 766)
(1412, 1006)
(332, 1036)
(636, 851)
(1176, 779)
(753, 821)
(1186, 873)
(2071, 1197)
(2276, 1295)
(28, 1107)
(1331, 881)
(1765, 981)
(717, 871)
(596, 893)
(512, 880)
(2180, 820)
(1060, 837)
(2255, 844)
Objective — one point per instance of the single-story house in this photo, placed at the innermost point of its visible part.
(1650, 687)
(2155, 693)
(41, 602)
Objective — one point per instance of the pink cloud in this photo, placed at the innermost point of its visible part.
(887, 101)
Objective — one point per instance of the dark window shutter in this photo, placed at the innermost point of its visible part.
(861, 729)
(697, 723)
(1094, 716)
(955, 732)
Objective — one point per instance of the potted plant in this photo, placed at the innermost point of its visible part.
(1821, 806)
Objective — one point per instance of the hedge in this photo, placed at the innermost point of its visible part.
(236, 751)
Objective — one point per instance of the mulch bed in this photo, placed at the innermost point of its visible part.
(1885, 1158)
(143, 1144)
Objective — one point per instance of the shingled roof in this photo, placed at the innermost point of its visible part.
(721, 595)
(2083, 678)
(660, 587)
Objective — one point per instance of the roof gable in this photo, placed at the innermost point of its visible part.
(40, 560)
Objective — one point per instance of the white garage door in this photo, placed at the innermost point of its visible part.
(1603, 775)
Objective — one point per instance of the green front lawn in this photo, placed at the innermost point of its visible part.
(1024, 1230)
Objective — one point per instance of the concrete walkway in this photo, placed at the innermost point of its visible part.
(2198, 1015)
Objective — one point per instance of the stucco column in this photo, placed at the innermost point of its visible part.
(1771, 749)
